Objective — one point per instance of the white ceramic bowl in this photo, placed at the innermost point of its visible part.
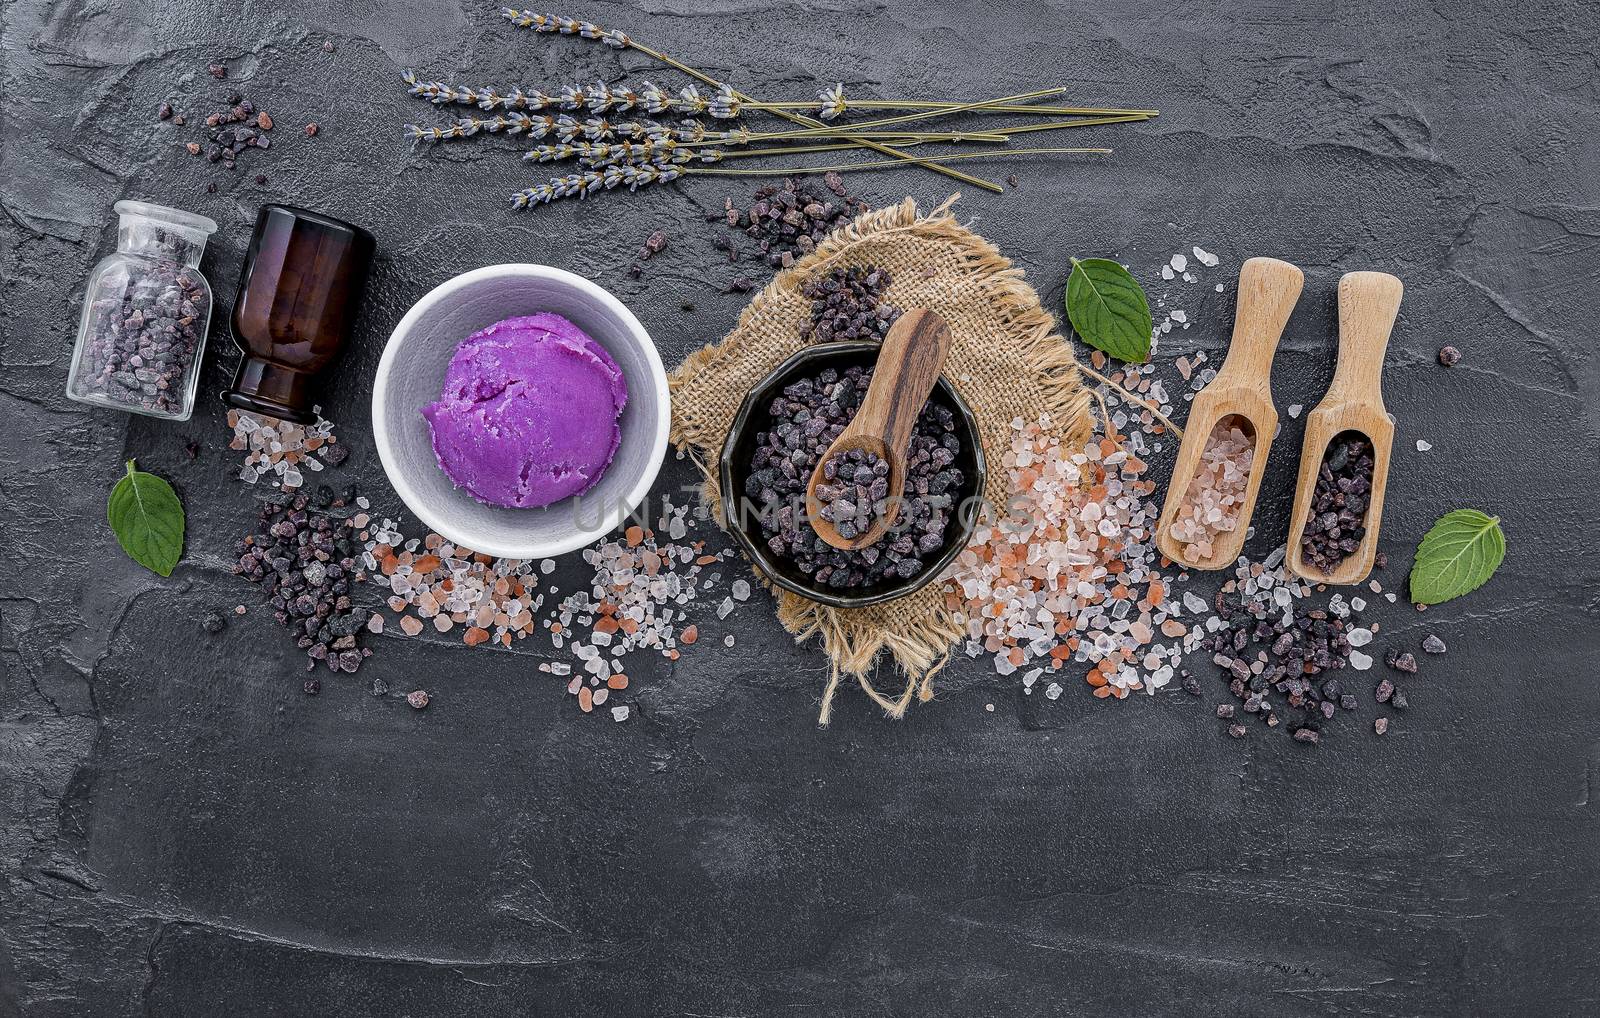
(411, 373)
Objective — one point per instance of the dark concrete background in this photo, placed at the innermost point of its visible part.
(182, 832)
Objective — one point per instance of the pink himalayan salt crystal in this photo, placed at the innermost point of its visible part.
(1211, 503)
(1070, 573)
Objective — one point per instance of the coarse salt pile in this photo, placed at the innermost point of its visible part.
(640, 591)
(493, 599)
(282, 452)
(1211, 503)
(1070, 572)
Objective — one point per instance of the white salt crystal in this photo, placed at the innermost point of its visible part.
(1359, 636)
(619, 713)
(1180, 316)
(1166, 272)
(727, 641)
(1423, 446)
(1294, 409)
(1179, 263)
(1204, 257)
(1359, 661)
(741, 590)
(1053, 691)
(725, 608)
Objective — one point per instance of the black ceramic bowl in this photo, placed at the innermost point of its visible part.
(743, 520)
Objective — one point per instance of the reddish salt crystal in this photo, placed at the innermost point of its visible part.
(1212, 501)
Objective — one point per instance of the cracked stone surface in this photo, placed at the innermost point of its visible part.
(182, 832)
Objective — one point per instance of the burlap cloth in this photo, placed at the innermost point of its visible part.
(1006, 359)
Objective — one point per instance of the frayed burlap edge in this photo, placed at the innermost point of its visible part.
(919, 630)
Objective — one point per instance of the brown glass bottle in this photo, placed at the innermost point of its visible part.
(302, 278)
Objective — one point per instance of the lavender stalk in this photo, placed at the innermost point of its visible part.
(545, 23)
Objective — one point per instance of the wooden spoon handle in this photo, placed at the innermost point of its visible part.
(909, 363)
(1368, 304)
(1268, 290)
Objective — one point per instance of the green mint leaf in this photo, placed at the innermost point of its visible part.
(1108, 309)
(1457, 556)
(147, 518)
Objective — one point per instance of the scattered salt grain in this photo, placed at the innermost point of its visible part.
(1423, 446)
(1205, 258)
(282, 451)
(1294, 409)
(1211, 503)
(1070, 573)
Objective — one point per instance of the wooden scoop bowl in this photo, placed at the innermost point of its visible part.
(909, 362)
(1268, 289)
(1368, 304)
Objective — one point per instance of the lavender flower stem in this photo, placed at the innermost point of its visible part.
(878, 164)
(620, 40)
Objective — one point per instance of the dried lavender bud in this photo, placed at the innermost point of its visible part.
(848, 304)
(1449, 356)
(1336, 524)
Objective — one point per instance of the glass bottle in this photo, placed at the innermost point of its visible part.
(145, 315)
(299, 292)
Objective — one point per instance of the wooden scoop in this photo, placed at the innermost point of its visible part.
(1368, 304)
(1268, 289)
(908, 365)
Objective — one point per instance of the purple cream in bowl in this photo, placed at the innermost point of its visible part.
(529, 412)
